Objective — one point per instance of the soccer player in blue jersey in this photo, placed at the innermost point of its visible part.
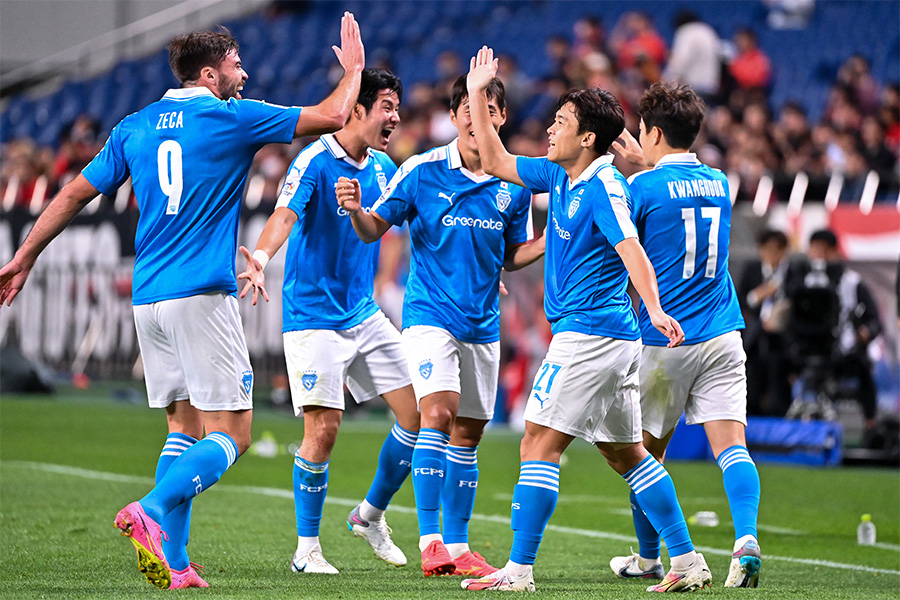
(587, 386)
(682, 210)
(333, 330)
(464, 227)
(188, 156)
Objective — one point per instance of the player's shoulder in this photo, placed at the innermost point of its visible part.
(427, 158)
(382, 158)
(642, 177)
(312, 156)
(611, 179)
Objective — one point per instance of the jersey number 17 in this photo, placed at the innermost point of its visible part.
(713, 213)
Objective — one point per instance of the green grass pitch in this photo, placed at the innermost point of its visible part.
(69, 462)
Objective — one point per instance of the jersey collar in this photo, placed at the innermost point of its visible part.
(592, 169)
(187, 93)
(678, 158)
(455, 161)
(340, 154)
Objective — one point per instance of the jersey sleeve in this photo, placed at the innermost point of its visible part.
(108, 170)
(398, 201)
(267, 123)
(300, 183)
(535, 173)
(517, 231)
(612, 214)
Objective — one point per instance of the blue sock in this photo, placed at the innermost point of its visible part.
(534, 500)
(198, 467)
(429, 463)
(310, 486)
(741, 480)
(177, 523)
(394, 464)
(648, 539)
(655, 494)
(458, 495)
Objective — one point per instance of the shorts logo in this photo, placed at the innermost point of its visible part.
(309, 380)
(247, 380)
(539, 399)
(503, 196)
(425, 368)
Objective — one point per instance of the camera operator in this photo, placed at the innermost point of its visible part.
(857, 319)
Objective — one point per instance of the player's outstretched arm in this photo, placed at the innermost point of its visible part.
(58, 214)
(273, 236)
(644, 279)
(495, 160)
(332, 113)
(522, 255)
(368, 225)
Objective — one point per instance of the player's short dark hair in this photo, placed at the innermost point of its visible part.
(676, 109)
(190, 52)
(772, 235)
(495, 91)
(375, 80)
(597, 111)
(826, 236)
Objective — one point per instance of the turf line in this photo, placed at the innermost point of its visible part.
(289, 494)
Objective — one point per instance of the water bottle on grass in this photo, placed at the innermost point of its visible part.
(865, 533)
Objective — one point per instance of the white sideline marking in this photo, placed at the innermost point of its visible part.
(289, 494)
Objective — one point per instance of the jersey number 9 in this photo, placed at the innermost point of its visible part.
(168, 159)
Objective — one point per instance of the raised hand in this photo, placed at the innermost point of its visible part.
(348, 193)
(351, 54)
(482, 69)
(255, 277)
(629, 149)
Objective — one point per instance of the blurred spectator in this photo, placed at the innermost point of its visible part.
(874, 149)
(792, 138)
(789, 14)
(750, 66)
(761, 293)
(696, 57)
(864, 90)
(636, 43)
(589, 37)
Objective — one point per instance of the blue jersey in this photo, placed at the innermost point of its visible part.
(459, 226)
(682, 210)
(585, 280)
(329, 271)
(188, 155)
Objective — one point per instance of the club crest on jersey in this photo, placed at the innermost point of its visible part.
(309, 380)
(382, 181)
(573, 208)
(425, 368)
(247, 380)
(503, 196)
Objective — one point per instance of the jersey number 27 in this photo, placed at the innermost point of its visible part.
(171, 181)
(690, 239)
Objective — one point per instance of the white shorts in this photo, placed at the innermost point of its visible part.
(194, 348)
(369, 358)
(587, 387)
(705, 381)
(438, 362)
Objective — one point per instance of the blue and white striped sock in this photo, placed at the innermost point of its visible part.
(310, 487)
(177, 523)
(394, 465)
(198, 467)
(741, 480)
(429, 465)
(655, 494)
(458, 495)
(534, 500)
